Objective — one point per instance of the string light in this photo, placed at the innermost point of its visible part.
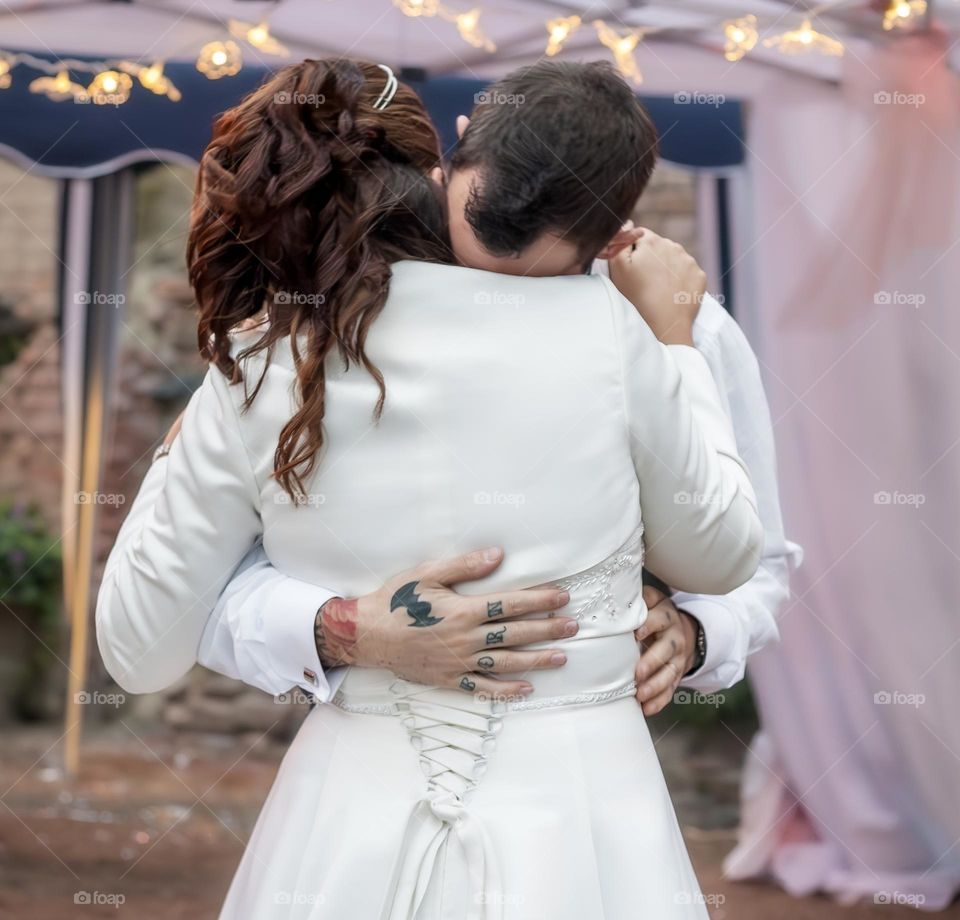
(804, 40)
(902, 14)
(219, 59)
(559, 31)
(58, 88)
(5, 78)
(258, 36)
(110, 87)
(741, 36)
(468, 25)
(622, 48)
(418, 7)
(153, 79)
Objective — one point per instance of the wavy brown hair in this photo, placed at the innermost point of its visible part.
(304, 198)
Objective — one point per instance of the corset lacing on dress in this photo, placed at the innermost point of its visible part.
(455, 733)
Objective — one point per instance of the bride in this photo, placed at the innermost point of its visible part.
(356, 429)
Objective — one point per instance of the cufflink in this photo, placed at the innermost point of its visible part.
(310, 677)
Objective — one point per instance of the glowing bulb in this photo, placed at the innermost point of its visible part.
(468, 25)
(902, 14)
(804, 39)
(258, 36)
(219, 59)
(559, 31)
(5, 78)
(622, 48)
(153, 79)
(58, 88)
(740, 37)
(418, 7)
(110, 87)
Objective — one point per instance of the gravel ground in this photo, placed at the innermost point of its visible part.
(159, 821)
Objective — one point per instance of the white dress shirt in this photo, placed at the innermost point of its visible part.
(573, 382)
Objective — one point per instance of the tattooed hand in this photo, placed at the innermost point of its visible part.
(417, 626)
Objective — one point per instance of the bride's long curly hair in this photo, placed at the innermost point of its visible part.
(304, 198)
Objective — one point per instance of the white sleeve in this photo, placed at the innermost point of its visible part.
(262, 632)
(739, 623)
(701, 528)
(166, 572)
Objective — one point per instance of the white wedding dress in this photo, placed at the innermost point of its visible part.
(536, 414)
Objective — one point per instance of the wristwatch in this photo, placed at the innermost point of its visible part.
(701, 646)
(161, 451)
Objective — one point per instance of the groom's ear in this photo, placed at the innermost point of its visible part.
(626, 236)
(462, 122)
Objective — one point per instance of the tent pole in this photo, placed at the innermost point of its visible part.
(109, 225)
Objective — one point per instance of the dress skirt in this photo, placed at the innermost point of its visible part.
(555, 813)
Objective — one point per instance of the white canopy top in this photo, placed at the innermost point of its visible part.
(378, 30)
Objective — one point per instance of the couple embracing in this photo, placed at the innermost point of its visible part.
(408, 365)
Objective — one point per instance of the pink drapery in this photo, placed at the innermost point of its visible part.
(853, 785)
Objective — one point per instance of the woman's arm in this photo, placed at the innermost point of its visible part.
(698, 507)
(190, 531)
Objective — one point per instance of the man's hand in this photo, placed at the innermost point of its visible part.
(422, 630)
(671, 637)
(663, 281)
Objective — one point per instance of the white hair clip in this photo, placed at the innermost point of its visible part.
(389, 91)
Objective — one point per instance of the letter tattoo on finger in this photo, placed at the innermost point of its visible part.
(485, 663)
(494, 608)
(495, 637)
(467, 684)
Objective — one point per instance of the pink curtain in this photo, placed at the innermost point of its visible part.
(853, 785)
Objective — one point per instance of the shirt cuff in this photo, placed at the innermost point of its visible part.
(726, 657)
(288, 635)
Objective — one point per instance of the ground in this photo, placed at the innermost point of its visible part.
(159, 820)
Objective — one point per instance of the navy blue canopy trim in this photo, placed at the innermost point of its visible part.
(72, 140)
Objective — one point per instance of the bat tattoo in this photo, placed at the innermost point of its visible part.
(494, 608)
(496, 637)
(418, 609)
(485, 663)
(467, 684)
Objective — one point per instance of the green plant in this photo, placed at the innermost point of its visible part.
(30, 589)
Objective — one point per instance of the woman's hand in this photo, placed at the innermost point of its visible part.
(417, 626)
(663, 281)
(671, 644)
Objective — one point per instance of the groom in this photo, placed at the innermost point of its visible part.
(527, 194)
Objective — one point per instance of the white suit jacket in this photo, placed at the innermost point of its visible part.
(538, 414)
